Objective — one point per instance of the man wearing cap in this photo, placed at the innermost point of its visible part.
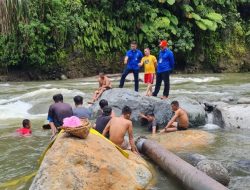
(132, 59)
(164, 67)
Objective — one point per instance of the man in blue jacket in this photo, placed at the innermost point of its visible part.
(164, 67)
(132, 59)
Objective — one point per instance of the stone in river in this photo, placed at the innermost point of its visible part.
(118, 98)
(183, 141)
(243, 100)
(215, 170)
(194, 159)
(91, 163)
(233, 116)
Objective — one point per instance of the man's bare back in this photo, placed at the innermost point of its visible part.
(118, 129)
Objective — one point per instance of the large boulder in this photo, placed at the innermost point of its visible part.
(118, 98)
(215, 170)
(93, 164)
(232, 116)
(184, 141)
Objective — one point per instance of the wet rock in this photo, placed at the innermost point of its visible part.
(92, 163)
(118, 98)
(194, 159)
(243, 101)
(208, 107)
(228, 99)
(183, 141)
(234, 116)
(215, 170)
(63, 77)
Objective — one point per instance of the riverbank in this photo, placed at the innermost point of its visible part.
(78, 67)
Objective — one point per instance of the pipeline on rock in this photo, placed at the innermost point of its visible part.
(191, 177)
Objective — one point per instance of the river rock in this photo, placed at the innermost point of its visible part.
(184, 141)
(215, 170)
(243, 100)
(63, 77)
(91, 163)
(194, 159)
(228, 99)
(118, 98)
(233, 116)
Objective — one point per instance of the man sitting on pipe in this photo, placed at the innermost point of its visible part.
(179, 121)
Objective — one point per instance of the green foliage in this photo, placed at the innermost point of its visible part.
(45, 33)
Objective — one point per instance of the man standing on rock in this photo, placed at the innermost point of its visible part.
(132, 59)
(118, 127)
(149, 61)
(164, 67)
(180, 120)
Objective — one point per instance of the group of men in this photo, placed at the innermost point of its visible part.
(162, 68)
(133, 60)
(113, 127)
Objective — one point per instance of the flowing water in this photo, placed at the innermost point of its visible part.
(31, 100)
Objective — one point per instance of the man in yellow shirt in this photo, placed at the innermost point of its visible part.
(149, 62)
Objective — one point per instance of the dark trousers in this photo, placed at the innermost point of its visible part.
(136, 78)
(159, 77)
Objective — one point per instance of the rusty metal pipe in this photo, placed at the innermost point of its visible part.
(191, 177)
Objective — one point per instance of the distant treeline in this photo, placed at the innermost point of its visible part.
(43, 34)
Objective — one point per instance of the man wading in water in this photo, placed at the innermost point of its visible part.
(57, 112)
(118, 127)
(179, 121)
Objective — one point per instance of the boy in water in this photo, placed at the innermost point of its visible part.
(149, 62)
(180, 120)
(103, 103)
(80, 111)
(118, 127)
(26, 129)
(150, 122)
(104, 84)
(103, 119)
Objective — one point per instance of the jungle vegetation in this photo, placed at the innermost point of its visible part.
(42, 34)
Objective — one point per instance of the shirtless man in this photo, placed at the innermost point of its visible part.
(118, 127)
(104, 84)
(179, 121)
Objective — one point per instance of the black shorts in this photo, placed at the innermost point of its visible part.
(179, 128)
(107, 88)
(150, 127)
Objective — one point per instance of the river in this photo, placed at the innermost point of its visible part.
(19, 100)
